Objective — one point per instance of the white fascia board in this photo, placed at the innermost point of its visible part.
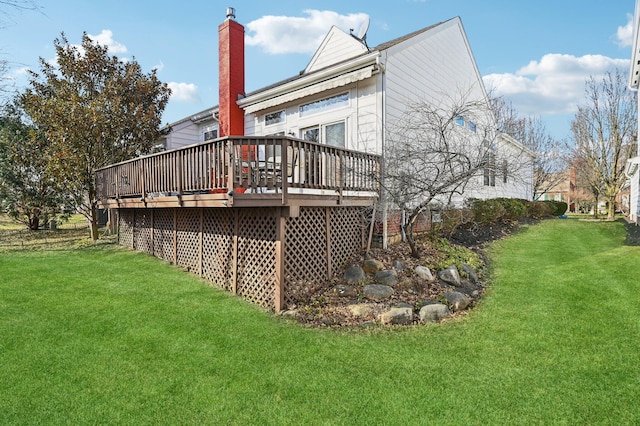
(332, 77)
(517, 144)
(634, 71)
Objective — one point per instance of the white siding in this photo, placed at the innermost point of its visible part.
(336, 47)
(435, 66)
(361, 117)
(183, 133)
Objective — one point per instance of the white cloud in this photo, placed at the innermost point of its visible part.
(625, 33)
(159, 67)
(552, 85)
(105, 38)
(184, 92)
(289, 34)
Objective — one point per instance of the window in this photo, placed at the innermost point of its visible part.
(490, 165)
(505, 171)
(209, 132)
(333, 102)
(333, 134)
(274, 118)
(311, 134)
(462, 122)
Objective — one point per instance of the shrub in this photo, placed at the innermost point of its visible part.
(514, 209)
(538, 209)
(558, 208)
(451, 254)
(452, 219)
(488, 211)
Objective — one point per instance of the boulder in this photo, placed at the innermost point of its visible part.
(360, 310)
(377, 292)
(398, 265)
(397, 316)
(470, 272)
(371, 266)
(354, 274)
(344, 290)
(434, 312)
(424, 273)
(450, 276)
(457, 301)
(387, 277)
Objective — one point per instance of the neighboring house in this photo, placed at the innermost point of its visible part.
(562, 187)
(634, 162)
(350, 96)
(266, 192)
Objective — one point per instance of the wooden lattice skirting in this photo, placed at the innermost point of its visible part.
(262, 255)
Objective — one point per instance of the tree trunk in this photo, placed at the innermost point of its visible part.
(94, 223)
(34, 223)
(611, 208)
(407, 228)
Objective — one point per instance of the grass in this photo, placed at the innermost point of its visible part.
(73, 232)
(103, 335)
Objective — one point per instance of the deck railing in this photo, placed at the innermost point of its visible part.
(242, 166)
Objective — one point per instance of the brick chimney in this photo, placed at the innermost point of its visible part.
(231, 75)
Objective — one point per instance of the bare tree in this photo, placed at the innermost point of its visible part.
(7, 8)
(550, 157)
(604, 130)
(434, 151)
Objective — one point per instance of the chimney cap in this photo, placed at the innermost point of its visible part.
(231, 13)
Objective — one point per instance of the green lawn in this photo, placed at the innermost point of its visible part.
(104, 336)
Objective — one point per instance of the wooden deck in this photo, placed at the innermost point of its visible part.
(243, 172)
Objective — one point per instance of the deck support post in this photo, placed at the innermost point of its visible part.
(281, 223)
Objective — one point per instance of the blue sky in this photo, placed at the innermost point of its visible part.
(535, 53)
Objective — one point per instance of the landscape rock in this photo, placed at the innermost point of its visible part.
(360, 310)
(397, 316)
(377, 292)
(398, 265)
(457, 301)
(450, 276)
(344, 290)
(471, 273)
(424, 273)
(434, 312)
(354, 274)
(387, 277)
(371, 266)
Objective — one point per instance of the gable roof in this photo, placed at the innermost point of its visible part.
(350, 50)
(388, 44)
(326, 58)
(336, 47)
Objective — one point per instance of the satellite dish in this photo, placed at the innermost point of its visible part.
(362, 31)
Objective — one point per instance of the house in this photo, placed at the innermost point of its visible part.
(305, 152)
(633, 163)
(350, 96)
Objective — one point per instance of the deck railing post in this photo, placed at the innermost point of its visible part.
(179, 160)
(231, 165)
(284, 168)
